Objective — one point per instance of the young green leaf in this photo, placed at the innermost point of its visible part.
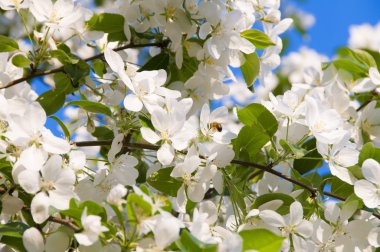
(52, 100)
(251, 68)
(257, 114)
(258, 38)
(369, 151)
(284, 198)
(63, 127)
(160, 61)
(20, 60)
(261, 240)
(93, 107)
(106, 22)
(7, 44)
(188, 243)
(163, 182)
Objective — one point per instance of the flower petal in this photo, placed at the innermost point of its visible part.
(165, 154)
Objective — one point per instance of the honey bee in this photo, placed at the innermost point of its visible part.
(215, 126)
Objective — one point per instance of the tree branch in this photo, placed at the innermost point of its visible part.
(164, 43)
(268, 168)
(313, 191)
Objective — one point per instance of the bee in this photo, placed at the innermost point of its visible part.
(215, 126)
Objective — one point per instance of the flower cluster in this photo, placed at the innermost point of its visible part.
(152, 162)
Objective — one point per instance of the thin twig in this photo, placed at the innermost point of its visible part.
(97, 56)
(268, 168)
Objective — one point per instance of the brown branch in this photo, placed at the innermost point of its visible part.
(97, 56)
(268, 168)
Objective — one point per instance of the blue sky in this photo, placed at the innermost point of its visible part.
(330, 31)
(333, 18)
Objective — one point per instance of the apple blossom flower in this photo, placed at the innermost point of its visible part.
(368, 188)
(92, 228)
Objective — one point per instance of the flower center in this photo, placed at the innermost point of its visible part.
(47, 185)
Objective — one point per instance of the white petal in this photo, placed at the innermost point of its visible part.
(305, 228)
(332, 213)
(77, 160)
(181, 199)
(114, 60)
(117, 144)
(368, 192)
(33, 158)
(374, 75)
(11, 205)
(218, 182)
(51, 170)
(133, 103)
(165, 154)
(166, 231)
(33, 240)
(296, 213)
(29, 181)
(371, 171)
(282, 26)
(40, 208)
(86, 238)
(272, 218)
(54, 144)
(204, 30)
(197, 192)
(149, 135)
(374, 237)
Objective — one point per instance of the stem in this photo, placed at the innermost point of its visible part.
(100, 55)
(268, 168)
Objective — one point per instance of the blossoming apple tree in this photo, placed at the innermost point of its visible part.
(147, 161)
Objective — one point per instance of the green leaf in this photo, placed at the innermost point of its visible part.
(106, 22)
(188, 243)
(138, 208)
(146, 122)
(13, 229)
(250, 140)
(251, 68)
(311, 160)
(357, 69)
(63, 83)
(7, 44)
(77, 72)
(189, 67)
(265, 198)
(52, 100)
(369, 151)
(93, 107)
(160, 61)
(92, 207)
(358, 55)
(98, 66)
(258, 38)
(341, 188)
(163, 182)
(6, 169)
(63, 57)
(103, 133)
(261, 240)
(297, 151)
(63, 127)
(20, 60)
(13, 242)
(257, 114)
